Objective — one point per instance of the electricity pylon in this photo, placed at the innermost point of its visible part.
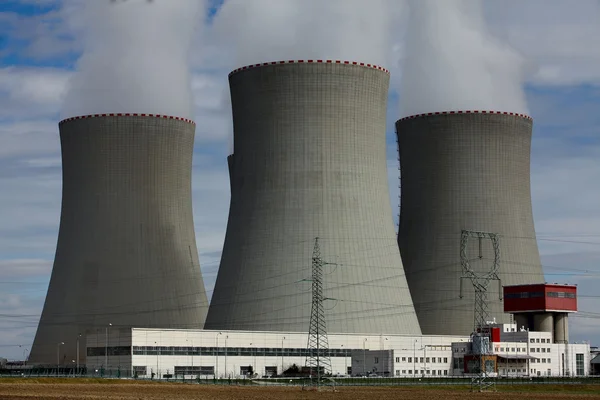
(318, 345)
(479, 339)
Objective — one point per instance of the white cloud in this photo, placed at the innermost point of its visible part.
(31, 92)
(559, 36)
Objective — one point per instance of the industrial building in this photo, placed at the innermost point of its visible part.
(509, 350)
(462, 173)
(309, 161)
(126, 253)
(234, 354)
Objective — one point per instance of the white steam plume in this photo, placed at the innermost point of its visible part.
(452, 62)
(135, 57)
(272, 30)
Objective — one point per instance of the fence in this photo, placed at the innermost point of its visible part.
(168, 376)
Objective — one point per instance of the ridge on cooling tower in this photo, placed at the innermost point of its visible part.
(308, 161)
(464, 170)
(126, 253)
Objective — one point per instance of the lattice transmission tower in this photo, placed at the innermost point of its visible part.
(317, 360)
(480, 340)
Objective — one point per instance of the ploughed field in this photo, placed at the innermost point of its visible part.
(91, 389)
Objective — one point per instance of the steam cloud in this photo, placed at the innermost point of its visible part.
(135, 57)
(452, 62)
(271, 30)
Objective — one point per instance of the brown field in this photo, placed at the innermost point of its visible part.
(134, 390)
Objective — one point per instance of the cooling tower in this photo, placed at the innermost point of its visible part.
(126, 252)
(310, 161)
(464, 171)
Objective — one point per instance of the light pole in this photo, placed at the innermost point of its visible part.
(345, 361)
(25, 353)
(156, 347)
(106, 346)
(364, 357)
(226, 337)
(282, 339)
(383, 357)
(217, 356)
(415, 357)
(58, 357)
(77, 367)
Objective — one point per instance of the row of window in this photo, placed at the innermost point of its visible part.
(216, 351)
(538, 340)
(439, 372)
(427, 360)
(533, 295)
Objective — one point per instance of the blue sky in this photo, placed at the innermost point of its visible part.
(39, 46)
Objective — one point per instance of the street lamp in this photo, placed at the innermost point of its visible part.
(415, 357)
(383, 357)
(157, 351)
(226, 337)
(25, 353)
(58, 357)
(217, 356)
(282, 339)
(79, 336)
(364, 357)
(345, 360)
(106, 346)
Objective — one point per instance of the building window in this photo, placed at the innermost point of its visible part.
(410, 371)
(440, 360)
(403, 372)
(445, 360)
(548, 350)
(549, 360)
(543, 349)
(512, 349)
(445, 372)
(403, 359)
(501, 348)
(427, 360)
(579, 369)
(376, 360)
(140, 370)
(432, 372)
(409, 359)
(532, 340)
(421, 360)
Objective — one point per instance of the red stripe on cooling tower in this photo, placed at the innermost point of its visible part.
(362, 64)
(467, 112)
(189, 121)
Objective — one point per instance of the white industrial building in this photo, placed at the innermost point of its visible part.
(163, 353)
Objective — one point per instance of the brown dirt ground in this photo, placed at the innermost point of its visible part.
(132, 390)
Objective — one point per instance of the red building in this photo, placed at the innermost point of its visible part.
(542, 307)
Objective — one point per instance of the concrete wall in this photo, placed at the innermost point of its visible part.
(310, 161)
(126, 252)
(471, 172)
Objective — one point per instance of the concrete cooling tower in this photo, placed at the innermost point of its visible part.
(126, 252)
(310, 161)
(464, 171)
